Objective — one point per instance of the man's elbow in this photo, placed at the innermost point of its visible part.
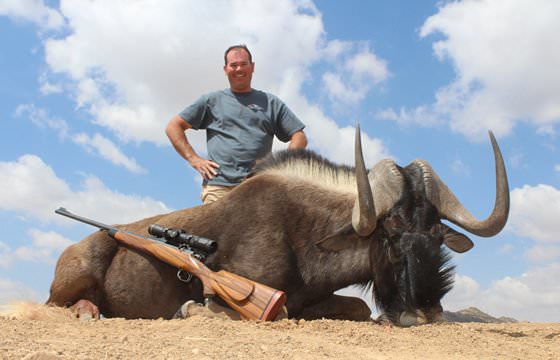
(169, 129)
(175, 126)
(298, 140)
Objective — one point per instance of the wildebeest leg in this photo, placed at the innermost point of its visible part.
(79, 273)
(337, 307)
(76, 293)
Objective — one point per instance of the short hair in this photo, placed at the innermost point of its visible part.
(240, 46)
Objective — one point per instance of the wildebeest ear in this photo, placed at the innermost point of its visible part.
(338, 240)
(456, 241)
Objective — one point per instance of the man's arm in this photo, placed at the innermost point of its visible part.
(298, 141)
(175, 131)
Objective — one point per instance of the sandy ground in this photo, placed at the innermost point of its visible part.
(213, 338)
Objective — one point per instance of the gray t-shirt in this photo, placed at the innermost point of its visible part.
(240, 128)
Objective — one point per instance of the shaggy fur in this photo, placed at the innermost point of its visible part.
(302, 165)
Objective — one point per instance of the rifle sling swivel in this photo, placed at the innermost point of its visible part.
(184, 276)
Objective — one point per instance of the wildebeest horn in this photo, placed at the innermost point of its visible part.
(363, 214)
(451, 209)
(387, 184)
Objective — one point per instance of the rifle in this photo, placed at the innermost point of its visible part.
(252, 300)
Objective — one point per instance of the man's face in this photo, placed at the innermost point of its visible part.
(239, 70)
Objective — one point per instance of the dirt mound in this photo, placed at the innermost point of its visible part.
(204, 338)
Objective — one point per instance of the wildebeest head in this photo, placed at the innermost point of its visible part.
(400, 210)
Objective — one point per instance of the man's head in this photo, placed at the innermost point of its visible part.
(239, 68)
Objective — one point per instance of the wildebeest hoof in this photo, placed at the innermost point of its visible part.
(210, 309)
(189, 309)
(85, 310)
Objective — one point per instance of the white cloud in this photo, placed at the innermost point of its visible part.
(361, 70)
(336, 48)
(336, 144)
(543, 253)
(96, 144)
(47, 87)
(557, 167)
(141, 87)
(34, 11)
(506, 55)
(534, 213)
(45, 248)
(105, 148)
(337, 90)
(134, 90)
(11, 291)
(49, 240)
(31, 187)
(41, 118)
(366, 65)
(422, 115)
(464, 291)
(533, 296)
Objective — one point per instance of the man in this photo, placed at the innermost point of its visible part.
(240, 124)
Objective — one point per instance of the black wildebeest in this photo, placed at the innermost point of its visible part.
(303, 225)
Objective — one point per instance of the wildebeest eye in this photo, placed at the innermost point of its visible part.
(393, 224)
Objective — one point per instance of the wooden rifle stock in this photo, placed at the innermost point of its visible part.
(252, 300)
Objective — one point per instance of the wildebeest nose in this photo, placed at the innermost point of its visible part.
(409, 318)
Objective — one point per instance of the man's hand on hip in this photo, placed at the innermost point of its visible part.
(206, 168)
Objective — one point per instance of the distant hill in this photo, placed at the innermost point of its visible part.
(473, 314)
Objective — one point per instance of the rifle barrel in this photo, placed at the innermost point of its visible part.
(62, 211)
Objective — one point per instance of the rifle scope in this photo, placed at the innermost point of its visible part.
(179, 237)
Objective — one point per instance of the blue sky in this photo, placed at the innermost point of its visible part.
(88, 87)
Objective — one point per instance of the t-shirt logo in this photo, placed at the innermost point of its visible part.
(255, 107)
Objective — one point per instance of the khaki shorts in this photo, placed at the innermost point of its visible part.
(211, 193)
